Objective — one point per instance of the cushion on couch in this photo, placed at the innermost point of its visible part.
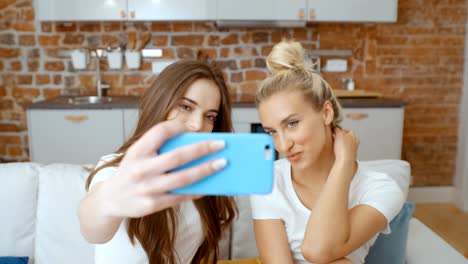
(18, 193)
(14, 260)
(58, 237)
(391, 248)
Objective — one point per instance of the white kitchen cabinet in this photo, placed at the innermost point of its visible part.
(147, 10)
(71, 10)
(172, 10)
(73, 136)
(380, 131)
(352, 10)
(130, 119)
(292, 10)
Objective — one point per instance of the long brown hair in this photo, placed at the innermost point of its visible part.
(157, 232)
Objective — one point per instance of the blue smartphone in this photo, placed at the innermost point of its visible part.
(249, 168)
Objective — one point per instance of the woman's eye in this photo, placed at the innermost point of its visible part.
(271, 132)
(211, 118)
(293, 123)
(185, 107)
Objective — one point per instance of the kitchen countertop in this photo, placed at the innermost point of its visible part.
(131, 102)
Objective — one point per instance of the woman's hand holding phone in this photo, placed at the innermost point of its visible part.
(142, 182)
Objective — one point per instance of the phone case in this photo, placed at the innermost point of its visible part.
(249, 168)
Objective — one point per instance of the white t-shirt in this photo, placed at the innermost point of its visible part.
(368, 187)
(120, 250)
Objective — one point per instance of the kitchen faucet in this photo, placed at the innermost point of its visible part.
(99, 86)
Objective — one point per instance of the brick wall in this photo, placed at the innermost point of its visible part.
(418, 59)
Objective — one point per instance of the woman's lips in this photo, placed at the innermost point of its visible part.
(294, 156)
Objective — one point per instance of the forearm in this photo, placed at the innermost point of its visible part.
(328, 226)
(96, 225)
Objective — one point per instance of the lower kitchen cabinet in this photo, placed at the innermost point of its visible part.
(79, 136)
(380, 131)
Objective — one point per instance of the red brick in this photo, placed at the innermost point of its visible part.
(9, 53)
(24, 79)
(16, 66)
(260, 37)
(28, 93)
(225, 52)
(207, 53)
(110, 41)
(245, 64)
(90, 27)
(249, 88)
(231, 39)
(204, 26)
(24, 26)
(11, 128)
(42, 79)
(15, 151)
(236, 77)
(27, 40)
(160, 27)
(112, 26)
(55, 66)
(5, 3)
(73, 39)
(188, 40)
(65, 27)
(47, 40)
(132, 79)
(10, 140)
(182, 26)
(160, 41)
(213, 40)
(51, 93)
(33, 65)
(46, 27)
(6, 104)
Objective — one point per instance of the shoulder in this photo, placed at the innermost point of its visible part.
(377, 189)
(104, 173)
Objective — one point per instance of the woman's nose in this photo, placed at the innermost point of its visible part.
(283, 143)
(195, 123)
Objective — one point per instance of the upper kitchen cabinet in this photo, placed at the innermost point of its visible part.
(352, 10)
(289, 10)
(134, 10)
(172, 10)
(70, 10)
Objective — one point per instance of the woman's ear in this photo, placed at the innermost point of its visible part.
(328, 113)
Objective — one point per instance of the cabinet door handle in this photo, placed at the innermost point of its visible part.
(357, 116)
(132, 13)
(76, 119)
(312, 13)
(301, 13)
(123, 14)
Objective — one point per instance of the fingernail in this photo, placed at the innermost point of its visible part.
(219, 164)
(217, 144)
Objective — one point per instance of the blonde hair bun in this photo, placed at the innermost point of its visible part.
(285, 55)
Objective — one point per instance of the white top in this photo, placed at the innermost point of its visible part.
(368, 187)
(120, 249)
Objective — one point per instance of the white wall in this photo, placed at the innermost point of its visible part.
(461, 177)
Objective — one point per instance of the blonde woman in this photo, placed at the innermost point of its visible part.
(325, 206)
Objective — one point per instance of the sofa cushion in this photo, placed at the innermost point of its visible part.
(14, 260)
(18, 200)
(391, 248)
(58, 237)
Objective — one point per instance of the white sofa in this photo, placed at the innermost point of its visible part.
(38, 218)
